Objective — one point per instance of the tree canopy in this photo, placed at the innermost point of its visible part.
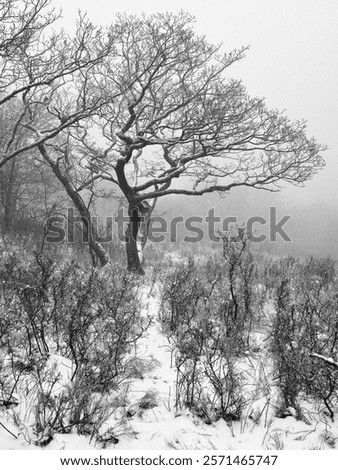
(146, 104)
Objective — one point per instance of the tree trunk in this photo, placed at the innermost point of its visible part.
(135, 219)
(96, 250)
(10, 199)
(137, 234)
(9, 212)
(146, 210)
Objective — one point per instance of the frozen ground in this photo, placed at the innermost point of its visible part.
(160, 426)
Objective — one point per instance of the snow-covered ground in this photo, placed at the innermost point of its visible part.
(152, 422)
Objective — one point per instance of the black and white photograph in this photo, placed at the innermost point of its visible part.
(169, 230)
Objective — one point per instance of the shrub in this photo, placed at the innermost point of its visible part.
(90, 318)
(306, 301)
(196, 313)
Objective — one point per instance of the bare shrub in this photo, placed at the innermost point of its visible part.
(92, 319)
(305, 323)
(197, 313)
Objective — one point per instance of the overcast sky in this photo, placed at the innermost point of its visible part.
(292, 62)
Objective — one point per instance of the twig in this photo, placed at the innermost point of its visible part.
(8, 403)
(8, 430)
(328, 360)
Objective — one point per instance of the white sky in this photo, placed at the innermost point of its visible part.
(292, 62)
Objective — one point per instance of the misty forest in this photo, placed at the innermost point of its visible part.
(111, 334)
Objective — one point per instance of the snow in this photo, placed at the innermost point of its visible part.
(161, 426)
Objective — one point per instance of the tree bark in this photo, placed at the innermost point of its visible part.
(10, 199)
(135, 219)
(136, 234)
(147, 210)
(95, 248)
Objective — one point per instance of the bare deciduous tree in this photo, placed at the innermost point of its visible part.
(28, 188)
(54, 79)
(180, 126)
(149, 107)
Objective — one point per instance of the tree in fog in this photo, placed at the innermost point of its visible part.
(177, 124)
(36, 65)
(28, 188)
(46, 74)
(146, 105)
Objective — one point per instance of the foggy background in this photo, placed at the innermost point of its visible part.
(293, 63)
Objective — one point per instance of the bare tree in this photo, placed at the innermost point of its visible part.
(46, 70)
(55, 80)
(28, 188)
(148, 106)
(180, 126)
